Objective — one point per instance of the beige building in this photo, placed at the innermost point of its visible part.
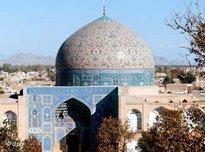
(136, 104)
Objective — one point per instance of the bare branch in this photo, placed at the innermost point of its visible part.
(192, 25)
(186, 57)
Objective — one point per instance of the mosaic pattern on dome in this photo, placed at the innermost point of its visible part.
(104, 43)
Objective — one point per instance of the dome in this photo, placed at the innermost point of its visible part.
(104, 43)
(102, 47)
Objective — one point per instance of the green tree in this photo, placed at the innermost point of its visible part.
(173, 132)
(51, 74)
(9, 141)
(1, 91)
(186, 77)
(8, 68)
(192, 25)
(167, 80)
(25, 68)
(113, 135)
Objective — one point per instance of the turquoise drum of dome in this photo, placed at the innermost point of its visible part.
(122, 77)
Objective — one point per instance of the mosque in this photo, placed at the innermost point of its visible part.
(102, 69)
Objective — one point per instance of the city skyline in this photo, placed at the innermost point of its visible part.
(40, 27)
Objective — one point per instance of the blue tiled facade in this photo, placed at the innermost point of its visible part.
(43, 102)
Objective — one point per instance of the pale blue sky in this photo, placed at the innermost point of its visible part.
(41, 26)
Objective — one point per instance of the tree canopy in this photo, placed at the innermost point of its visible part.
(167, 80)
(9, 137)
(186, 77)
(31, 144)
(9, 141)
(113, 135)
(174, 130)
(26, 68)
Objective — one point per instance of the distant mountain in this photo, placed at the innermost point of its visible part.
(164, 61)
(33, 59)
(28, 59)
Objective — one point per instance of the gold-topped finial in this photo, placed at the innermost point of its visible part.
(104, 13)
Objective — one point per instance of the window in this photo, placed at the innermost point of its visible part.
(11, 116)
(134, 120)
(152, 118)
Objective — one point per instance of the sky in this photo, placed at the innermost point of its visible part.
(41, 26)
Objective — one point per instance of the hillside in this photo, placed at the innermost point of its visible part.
(33, 59)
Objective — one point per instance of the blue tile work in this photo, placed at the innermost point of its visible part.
(47, 128)
(104, 44)
(104, 18)
(119, 77)
(43, 102)
(47, 144)
(59, 134)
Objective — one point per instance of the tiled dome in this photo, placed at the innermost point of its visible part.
(104, 53)
(104, 44)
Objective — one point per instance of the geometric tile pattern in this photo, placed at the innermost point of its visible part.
(117, 77)
(104, 53)
(104, 44)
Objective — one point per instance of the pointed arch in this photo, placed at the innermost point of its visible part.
(73, 125)
(63, 100)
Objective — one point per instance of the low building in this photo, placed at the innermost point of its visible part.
(179, 88)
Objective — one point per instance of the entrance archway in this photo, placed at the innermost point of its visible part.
(73, 126)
